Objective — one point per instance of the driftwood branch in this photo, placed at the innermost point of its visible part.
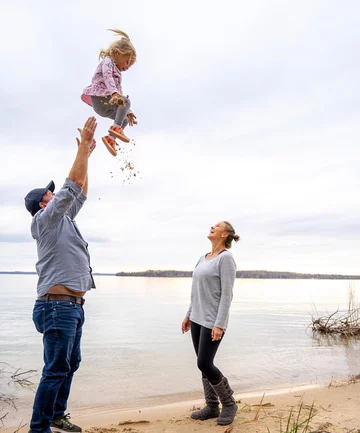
(22, 378)
(339, 322)
(2, 417)
(345, 323)
(11, 376)
(21, 425)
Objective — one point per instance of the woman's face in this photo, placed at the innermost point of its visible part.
(217, 231)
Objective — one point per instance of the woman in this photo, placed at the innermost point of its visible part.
(207, 317)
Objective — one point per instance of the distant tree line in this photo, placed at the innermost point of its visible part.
(241, 274)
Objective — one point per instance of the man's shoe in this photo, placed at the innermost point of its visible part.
(63, 425)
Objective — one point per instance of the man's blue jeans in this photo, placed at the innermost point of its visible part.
(60, 322)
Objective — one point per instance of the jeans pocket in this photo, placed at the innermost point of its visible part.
(65, 317)
(82, 317)
(39, 318)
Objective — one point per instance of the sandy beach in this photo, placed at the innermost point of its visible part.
(335, 409)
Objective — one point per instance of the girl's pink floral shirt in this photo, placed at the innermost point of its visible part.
(105, 81)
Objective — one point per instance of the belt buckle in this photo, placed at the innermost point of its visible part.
(79, 300)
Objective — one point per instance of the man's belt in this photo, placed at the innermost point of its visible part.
(54, 297)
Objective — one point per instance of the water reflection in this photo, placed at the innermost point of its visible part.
(349, 344)
(332, 340)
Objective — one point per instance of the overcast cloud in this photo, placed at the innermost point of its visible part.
(248, 111)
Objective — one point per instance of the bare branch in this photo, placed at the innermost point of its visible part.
(20, 426)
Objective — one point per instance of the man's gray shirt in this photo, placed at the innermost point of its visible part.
(212, 291)
(63, 256)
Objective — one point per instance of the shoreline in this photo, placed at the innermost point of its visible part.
(252, 275)
(336, 409)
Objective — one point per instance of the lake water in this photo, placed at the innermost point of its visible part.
(133, 349)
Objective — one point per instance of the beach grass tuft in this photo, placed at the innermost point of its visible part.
(297, 422)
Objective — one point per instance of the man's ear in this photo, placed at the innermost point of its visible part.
(42, 205)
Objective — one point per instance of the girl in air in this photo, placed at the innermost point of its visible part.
(105, 94)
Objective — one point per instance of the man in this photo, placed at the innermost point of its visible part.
(65, 276)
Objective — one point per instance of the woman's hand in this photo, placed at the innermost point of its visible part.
(185, 326)
(132, 119)
(216, 333)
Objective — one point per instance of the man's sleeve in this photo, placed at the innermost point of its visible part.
(77, 205)
(61, 203)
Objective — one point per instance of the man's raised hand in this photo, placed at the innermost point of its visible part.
(87, 134)
(88, 131)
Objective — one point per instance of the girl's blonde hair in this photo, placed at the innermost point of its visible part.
(232, 236)
(123, 46)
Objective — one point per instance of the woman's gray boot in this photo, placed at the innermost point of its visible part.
(229, 407)
(211, 410)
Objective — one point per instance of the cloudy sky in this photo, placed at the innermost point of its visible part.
(248, 111)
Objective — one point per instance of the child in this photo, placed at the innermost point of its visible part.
(105, 93)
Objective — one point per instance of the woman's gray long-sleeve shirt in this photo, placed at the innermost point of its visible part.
(212, 290)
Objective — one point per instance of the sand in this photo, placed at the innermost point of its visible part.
(336, 408)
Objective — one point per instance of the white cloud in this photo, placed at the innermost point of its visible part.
(247, 111)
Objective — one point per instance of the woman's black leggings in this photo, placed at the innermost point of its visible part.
(205, 350)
